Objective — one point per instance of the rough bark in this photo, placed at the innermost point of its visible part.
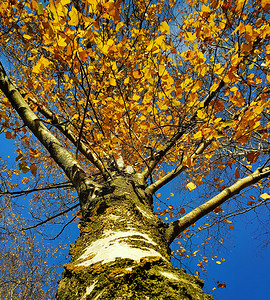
(122, 252)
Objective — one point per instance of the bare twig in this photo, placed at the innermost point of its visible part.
(51, 218)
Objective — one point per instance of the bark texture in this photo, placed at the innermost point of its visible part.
(122, 252)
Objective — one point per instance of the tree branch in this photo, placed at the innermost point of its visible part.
(58, 152)
(51, 218)
(78, 143)
(69, 222)
(181, 224)
(234, 214)
(26, 192)
(151, 189)
(159, 155)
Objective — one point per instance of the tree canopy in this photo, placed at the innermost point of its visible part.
(156, 88)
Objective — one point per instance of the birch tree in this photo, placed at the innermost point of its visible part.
(115, 99)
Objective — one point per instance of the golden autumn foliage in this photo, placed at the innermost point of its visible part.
(124, 82)
(163, 86)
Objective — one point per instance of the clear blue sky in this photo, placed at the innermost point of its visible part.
(247, 264)
(246, 270)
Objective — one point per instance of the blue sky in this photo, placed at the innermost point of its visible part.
(247, 264)
(246, 268)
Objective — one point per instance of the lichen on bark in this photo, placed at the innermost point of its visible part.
(122, 253)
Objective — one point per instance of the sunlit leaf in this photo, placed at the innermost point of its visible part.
(265, 196)
(191, 186)
(74, 17)
(165, 28)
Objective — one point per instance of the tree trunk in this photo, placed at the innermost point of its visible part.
(122, 252)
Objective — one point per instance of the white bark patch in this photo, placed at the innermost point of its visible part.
(89, 289)
(130, 170)
(115, 244)
(113, 217)
(98, 295)
(120, 163)
(169, 275)
(144, 213)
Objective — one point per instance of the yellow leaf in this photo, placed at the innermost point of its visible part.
(234, 89)
(75, 117)
(136, 97)
(161, 70)
(44, 61)
(119, 26)
(191, 36)
(160, 40)
(265, 5)
(201, 114)
(197, 135)
(218, 262)
(74, 17)
(65, 2)
(214, 86)
(165, 28)
(112, 81)
(158, 195)
(265, 196)
(36, 69)
(27, 37)
(219, 69)
(163, 105)
(191, 186)
(205, 8)
(137, 74)
(61, 42)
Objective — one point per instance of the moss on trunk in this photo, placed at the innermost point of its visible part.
(122, 252)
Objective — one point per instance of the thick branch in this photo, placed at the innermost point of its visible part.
(181, 224)
(57, 151)
(81, 146)
(172, 174)
(158, 156)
